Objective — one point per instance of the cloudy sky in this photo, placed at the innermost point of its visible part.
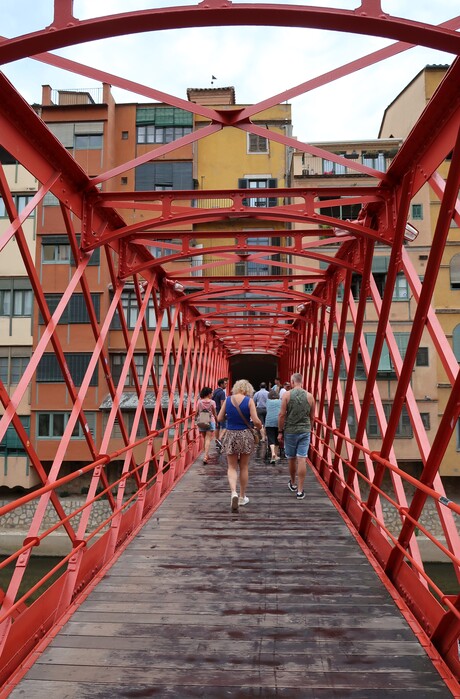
(258, 62)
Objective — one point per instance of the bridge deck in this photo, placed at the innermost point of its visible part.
(278, 600)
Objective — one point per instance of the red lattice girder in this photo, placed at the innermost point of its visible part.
(175, 325)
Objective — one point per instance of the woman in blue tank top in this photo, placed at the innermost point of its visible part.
(238, 441)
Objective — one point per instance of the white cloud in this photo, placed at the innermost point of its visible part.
(257, 61)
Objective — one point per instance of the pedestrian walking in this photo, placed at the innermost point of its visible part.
(271, 424)
(206, 419)
(238, 440)
(219, 395)
(296, 413)
(285, 387)
(260, 399)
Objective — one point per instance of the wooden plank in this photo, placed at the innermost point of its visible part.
(275, 601)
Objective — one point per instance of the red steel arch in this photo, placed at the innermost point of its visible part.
(185, 321)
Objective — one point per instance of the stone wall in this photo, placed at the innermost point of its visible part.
(14, 526)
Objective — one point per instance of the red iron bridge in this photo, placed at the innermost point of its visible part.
(128, 283)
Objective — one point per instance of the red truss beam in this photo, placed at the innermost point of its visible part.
(176, 331)
(368, 18)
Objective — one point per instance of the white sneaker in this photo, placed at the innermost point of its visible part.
(234, 502)
(243, 501)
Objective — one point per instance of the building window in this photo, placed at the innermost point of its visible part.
(20, 202)
(75, 311)
(161, 134)
(401, 289)
(11, 444)
(128, 420)
(380, 279)
(131, 312)
(344, 212)
(81, 135)
(164, 175)
(356, 282)
(360, 372)
(124, 180)
(455, 272)
(422, 357)
(372, 426)
(50, 200)
(49, 370)
(259, 268)
(259, 183)
(124, 135)
(12, 367)
(456, 342)
(117, 362)
(351, 419)
(403, 430)
(375, 160)
(426, 420)
(308, 288)
(332, 168)
(52, 425)
(257, 144)
(56, 250)
(55, 253)
(385, 368)
(15, 297)
(417, 211)
(88, 141)
(162, 124)
(94, 260)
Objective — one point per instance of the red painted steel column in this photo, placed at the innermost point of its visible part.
(432, 270)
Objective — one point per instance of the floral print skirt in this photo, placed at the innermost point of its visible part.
(238, 442)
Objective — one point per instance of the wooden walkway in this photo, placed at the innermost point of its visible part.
(275, 601)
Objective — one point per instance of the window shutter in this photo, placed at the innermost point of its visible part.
(177, 175)
(48, 370)
(182, 175)
(55, 240)
(52, 300)
(164, 116)
(89, 127)
(402, 340)
(455, 272)
(385, 360)
(63, 132)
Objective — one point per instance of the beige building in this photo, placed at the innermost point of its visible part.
(398, 120)
(317, 172)
(16, 323)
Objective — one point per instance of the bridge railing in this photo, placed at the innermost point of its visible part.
(393, 542)
(85, 536)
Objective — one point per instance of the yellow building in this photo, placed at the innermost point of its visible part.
(234, 159)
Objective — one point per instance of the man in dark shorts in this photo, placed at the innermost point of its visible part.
(260, 399)
(219, 397)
